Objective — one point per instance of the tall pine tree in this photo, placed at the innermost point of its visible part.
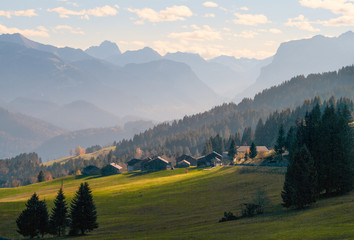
(253, 150)
(34, 219)
(83, 214)
(300, 184)
(59, 216)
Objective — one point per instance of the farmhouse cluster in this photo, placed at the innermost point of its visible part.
(158, 163)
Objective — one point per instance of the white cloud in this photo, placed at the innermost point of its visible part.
(210, 4)
(301, 23)
(275, 30)
(209, 15)
(38, 31)
(20, 13)
(246, 34)
(199, 34)
(345, 8)
(250, 19)
(70, 29)
(244, 8)
(175, 13)
(97, 12)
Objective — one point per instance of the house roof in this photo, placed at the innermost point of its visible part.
(185, 157)
(116, 166)
(159, 159)
(133, 161)
(184, 161)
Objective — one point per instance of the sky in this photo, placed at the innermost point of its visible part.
(240, 28)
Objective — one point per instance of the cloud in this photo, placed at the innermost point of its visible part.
(301, 23)
(246, 34)
(244, 8)
(209, 15)
(20, 13)
(250, 19)
(275, 30)
(70, 29)
(210, 4)
(39, 31)
(345, 8)
(170, 14)
(97, 12)
(199, 34)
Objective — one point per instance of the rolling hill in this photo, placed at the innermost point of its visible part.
(20, 133)
(176, 205)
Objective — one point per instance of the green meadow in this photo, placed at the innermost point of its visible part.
(178, 205)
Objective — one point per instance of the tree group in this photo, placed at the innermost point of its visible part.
(321, 156)
(35, 220)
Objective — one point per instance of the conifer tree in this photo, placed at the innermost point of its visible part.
(34, 219)
(253, 150)
(83, 215)
(232, 150)
(208, 147)
(41, 177)
(300, 184)
(279, 147)
(59, 216)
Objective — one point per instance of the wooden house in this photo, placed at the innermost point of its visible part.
(135, 164)
(155, 164)
(183, 164)
(192, 160)
(213, 159)
(91, 170)
(111, 169)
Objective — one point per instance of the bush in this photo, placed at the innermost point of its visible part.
(228, 216)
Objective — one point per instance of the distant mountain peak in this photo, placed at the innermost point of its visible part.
(104, 50)
(348, 34)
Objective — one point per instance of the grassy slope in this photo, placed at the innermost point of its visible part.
(176, 205)
(103, 151)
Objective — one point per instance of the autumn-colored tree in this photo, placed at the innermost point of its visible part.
(79, 151)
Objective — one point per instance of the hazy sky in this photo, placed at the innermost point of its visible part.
(252, 28)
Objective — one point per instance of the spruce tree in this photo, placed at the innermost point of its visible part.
(34, 219)
(41, 177)
(300, 184)
(232, 150)
(280, 143)
(253, 150)
(208, 147)
(59, 216)
(83, 215)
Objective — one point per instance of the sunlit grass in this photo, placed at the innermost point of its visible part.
(179, 205)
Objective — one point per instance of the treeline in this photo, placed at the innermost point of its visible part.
(165, 140)
(321, 156)
(220, 125)
(24, 168)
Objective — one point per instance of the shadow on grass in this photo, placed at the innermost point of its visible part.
(88, 177)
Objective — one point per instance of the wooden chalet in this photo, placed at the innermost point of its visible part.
(183, 164)
(135, 164)
(155, 164)
(192, 160)
(213, 159)
(111, 169)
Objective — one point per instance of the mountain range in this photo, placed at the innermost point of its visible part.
(86, 95)
(302, 57)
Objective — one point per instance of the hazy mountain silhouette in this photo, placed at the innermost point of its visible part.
(104, 50)
(302, 57)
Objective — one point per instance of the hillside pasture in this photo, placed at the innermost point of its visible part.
(179, 205)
